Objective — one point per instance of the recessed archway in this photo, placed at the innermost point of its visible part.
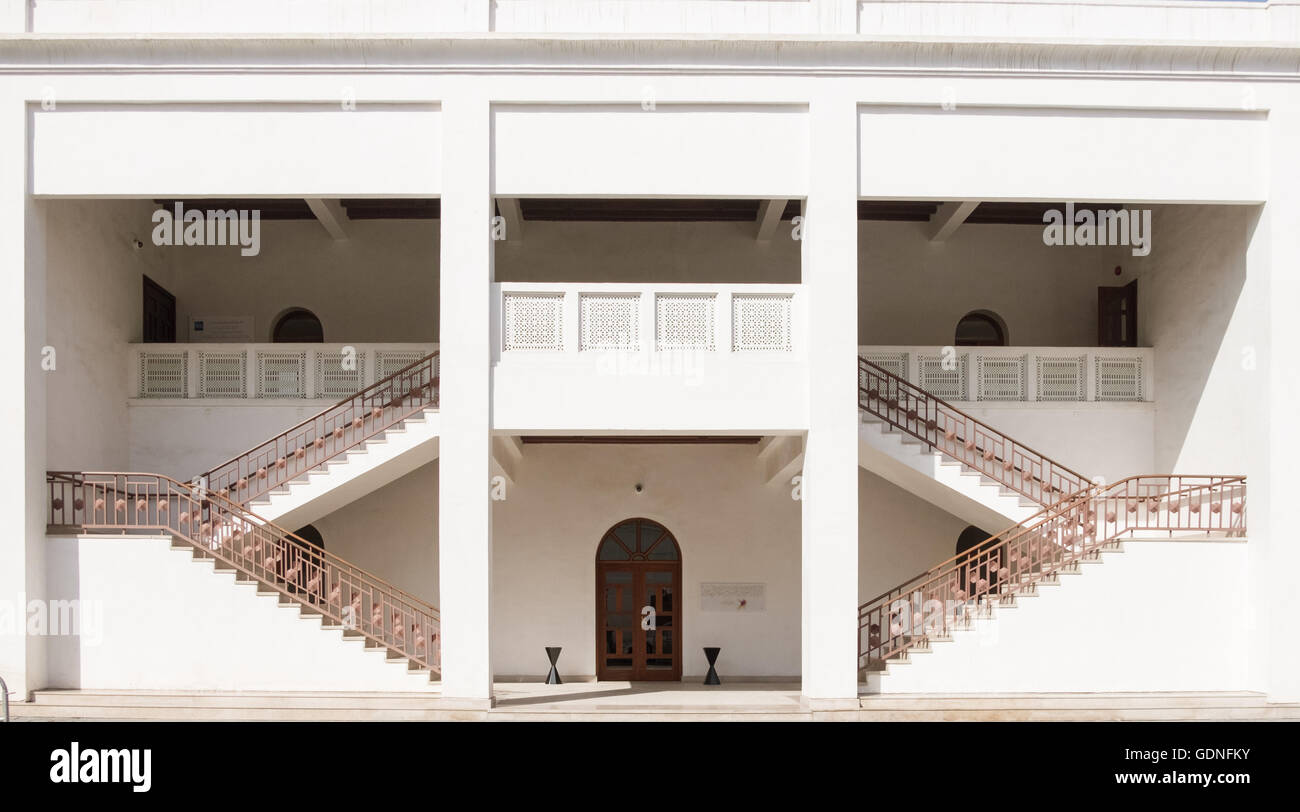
(638, 603)
(297, 325)
(981, 328)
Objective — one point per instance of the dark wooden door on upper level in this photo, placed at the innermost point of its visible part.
(1117, 315)
(159, 314)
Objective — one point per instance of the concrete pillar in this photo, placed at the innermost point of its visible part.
(22, 410)
(830, 474)
(464, 511)
(1273, 264)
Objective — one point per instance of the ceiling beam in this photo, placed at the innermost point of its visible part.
(949, 216)
(514, 217)
(331, 215)
(769, 217)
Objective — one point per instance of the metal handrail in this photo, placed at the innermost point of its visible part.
(1075, 529)
(327, 434)
(4, 697)
(963, 438)
(352, 597)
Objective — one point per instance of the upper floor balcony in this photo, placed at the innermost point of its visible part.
(670, 356)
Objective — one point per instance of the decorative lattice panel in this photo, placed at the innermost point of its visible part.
(223, 374)
(164, 374)
(389, 361)
(761, 321)
(533, 321)
(1000, 378)
(895, 362)
(1119, 378)
(944, 379)
(282, 374)
(1061, 378)
(340, 374)
(610, 321)
(685, 321)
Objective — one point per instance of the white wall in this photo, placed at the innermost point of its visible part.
(185, 438)
(730, 528)
(647, 252)
(1077, 154)
(392, 532)
(1110, 440)
(914, 291)
(156, 619)
(93, 309)
(321, 150)
(899, 535)
(1160, 616)
(379, 285)
(680, 150)
(1196, 308)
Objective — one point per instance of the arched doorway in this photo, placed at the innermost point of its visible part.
(638, 603)
(297, 325)
(981, 328)
(983, 561)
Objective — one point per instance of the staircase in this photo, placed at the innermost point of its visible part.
(362, 443)
(346, 598)
(1074, 524)
(949, 458)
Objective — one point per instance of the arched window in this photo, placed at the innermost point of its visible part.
(638, 540)
(981, 328)
(298, 326)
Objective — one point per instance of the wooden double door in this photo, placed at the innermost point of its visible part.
(638, 604)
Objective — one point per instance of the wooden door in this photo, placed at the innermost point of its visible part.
(1117, 316)
(159, 314)
(638, 603)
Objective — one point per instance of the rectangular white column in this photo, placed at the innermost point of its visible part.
(830, 474)
(464, 508)
(1273, 269)
(22, 445)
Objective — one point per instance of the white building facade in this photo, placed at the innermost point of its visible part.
(640, 328)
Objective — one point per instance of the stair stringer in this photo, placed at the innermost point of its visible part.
(380, 460)
(156, 617)
(946, 484)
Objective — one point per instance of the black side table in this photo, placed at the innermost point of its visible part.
(711, 654)
(553, 654)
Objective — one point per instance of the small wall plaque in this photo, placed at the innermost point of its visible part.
(221, 329)
(732, 597)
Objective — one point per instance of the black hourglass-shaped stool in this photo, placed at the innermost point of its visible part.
(711, 654)
(553, 654)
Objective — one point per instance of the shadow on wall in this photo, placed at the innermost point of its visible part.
(1195, 310)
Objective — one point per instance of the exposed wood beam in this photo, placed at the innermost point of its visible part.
(949, 217)
(331, 215)
(769, 217)
(509, 208)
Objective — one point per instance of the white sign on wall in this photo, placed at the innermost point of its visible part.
(221, 329)
(723, 597)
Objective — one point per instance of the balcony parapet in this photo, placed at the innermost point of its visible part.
(1023, 374)
(293, 372)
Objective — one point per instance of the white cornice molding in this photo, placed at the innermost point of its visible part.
(508, 54)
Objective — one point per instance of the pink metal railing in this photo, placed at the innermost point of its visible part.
(320, 581)
(942, 598)
(324, 436)
(958, 436)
